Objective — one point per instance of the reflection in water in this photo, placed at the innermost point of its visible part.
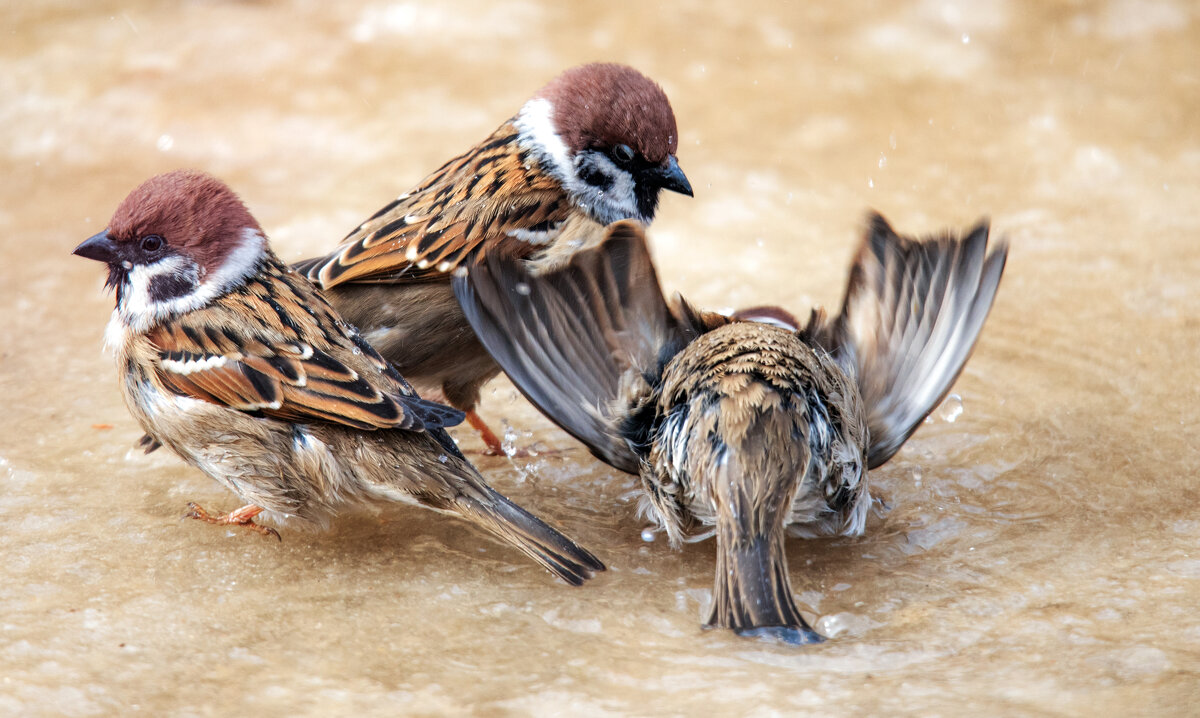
(1037, 554)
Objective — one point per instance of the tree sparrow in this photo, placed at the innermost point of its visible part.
(740, 429)
(239, 365)
(594, 146)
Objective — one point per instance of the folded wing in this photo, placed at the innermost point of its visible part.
(293, 372)
(473, 205)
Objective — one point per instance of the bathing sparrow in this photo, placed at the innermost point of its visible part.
(744, 430)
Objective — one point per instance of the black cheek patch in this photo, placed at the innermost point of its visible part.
(165, 287)
(589, 171)
(595, 178)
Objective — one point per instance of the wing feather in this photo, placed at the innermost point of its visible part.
(297, 361)
(912, 313)
(574, 339)
(473, 205)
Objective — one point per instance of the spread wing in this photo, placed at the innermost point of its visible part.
(575, 340)
(912, 313)
(478, 202)
(276, 348)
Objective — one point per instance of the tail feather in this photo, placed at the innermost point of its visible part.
(526, 532)
(752, 590)
(911, 316)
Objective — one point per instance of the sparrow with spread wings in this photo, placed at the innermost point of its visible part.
(743, 430)
(595, 145)
(238, 364)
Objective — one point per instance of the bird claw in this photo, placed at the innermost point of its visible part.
(148, 444)
(241, 517)
(492, 444)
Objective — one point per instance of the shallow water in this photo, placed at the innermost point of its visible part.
(1040, 553)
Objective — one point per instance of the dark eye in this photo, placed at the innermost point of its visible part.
(152, 243)
(623, 154)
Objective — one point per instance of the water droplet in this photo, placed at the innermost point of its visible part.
(951, 408)
(871, 183)
(523, 288)
(966, 39)
(648, 535)
(509, 443)
(831, 626)
(882, 160)
(443, 458)
(165, 142)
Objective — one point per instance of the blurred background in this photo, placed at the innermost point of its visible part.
(1039, 551)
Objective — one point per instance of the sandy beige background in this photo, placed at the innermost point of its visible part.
(1041, 554)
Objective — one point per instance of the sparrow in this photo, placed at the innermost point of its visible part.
(240, 366)
(768, 314)
(741, 430)
(595, 145)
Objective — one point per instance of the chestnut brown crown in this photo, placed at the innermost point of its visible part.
(602, 105)
(192, 211)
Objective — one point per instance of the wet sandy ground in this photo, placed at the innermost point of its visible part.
(1041, 554)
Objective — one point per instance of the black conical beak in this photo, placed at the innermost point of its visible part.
(98, 247)
(672, 178)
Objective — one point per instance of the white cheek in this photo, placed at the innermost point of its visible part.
(140, 313)
(535, 126)
(137, 303)
(536, 130)
(614, 203)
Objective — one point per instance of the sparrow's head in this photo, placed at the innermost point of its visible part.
(607, 133)
(769, 314)
(177, 242)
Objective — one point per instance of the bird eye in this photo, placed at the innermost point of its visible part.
(152, 243)
(623, 154)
